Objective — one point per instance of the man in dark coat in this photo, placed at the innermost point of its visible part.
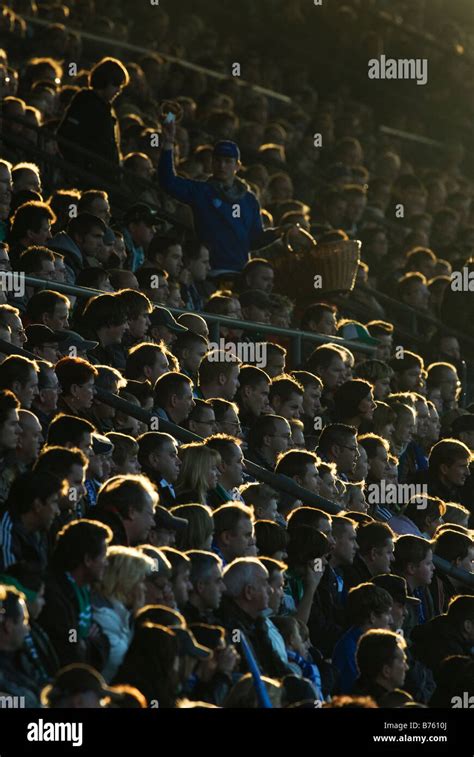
(445, 635)
(90, 121)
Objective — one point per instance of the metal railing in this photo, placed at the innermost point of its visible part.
(215, 322)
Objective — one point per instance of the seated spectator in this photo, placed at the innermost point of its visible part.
(375, 555)
(14, 627)
(368, 606)
(218, 375)
(159, 460)
(207, 587)
(119, 595)
(202, 419)
(30, 509)
(252, 395)
(231, 468)
(286, 397)
(262, 498)
(458, 550)
(414, 562)
(126, 504)
(381, 662)
(124, 454)
(247, 596)
(78, 560)
(446, 635)
(20, 376)
(234, 534)
(198, 533)
(174, 397)
(199, 473)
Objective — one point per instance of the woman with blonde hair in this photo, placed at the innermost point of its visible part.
(120, 595)
(199, 532)
(199, 473)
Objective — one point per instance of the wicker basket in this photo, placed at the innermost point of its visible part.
(335, 262)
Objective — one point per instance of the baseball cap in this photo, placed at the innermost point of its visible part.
(396, 587)
(164, 519)
(140, 212)
(73, 679)
(188, 644)
(37, 334)
(357, 332)
(163, 317)
(101, 445)
(73, 339)
(227, 149)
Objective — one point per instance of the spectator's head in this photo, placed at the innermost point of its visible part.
(108, 77)
(231, 459)
(146, 361)
(133, 499)
(246, 582)
(338, 444)
(414, 560)
(206, 580)
(270, 435)
(302, 467)
(449, 462)
(14, 619)
(219, 375)
(354, 402)
(31, 223)
(77, 379)
(20, 376)
(286, 397)
(408, 369)
(71, 431)
(200, 471)
(158, 453)
(381, 659)
(375, 542)
(190, 349)
(254, 387)
(272, 539)
(234, 534)
(202, 419)
(327, 362)
(49, 308)
(81, 549)
(174, 394)
(257, 274)
(369, 606)
(262, 498)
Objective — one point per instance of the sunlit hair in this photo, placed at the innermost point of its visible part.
(126, 567)
(196, 462)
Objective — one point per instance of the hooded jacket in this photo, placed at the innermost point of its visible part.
(73, 260)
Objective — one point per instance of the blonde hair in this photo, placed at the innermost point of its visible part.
(243, 694)
(200, 526)
(126, 567)
(196, 460)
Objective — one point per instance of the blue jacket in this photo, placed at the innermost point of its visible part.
(229, 239)
(344, 659)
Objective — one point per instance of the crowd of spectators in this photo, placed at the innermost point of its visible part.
(136, 566)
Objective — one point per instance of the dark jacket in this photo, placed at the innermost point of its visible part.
(60, 616)
(233, 618)
(113, 354)
(113, 520)
(17, 544)
(166, 494)
(442, 590)
(357, 573)
(14, 682)
(90, 123)
(437, 639)
(326, 620)
(37, 657)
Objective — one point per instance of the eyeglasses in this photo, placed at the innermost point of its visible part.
(352, 449)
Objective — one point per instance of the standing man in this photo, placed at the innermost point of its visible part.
(226, 213)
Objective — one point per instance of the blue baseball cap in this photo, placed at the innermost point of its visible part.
(227, 149)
